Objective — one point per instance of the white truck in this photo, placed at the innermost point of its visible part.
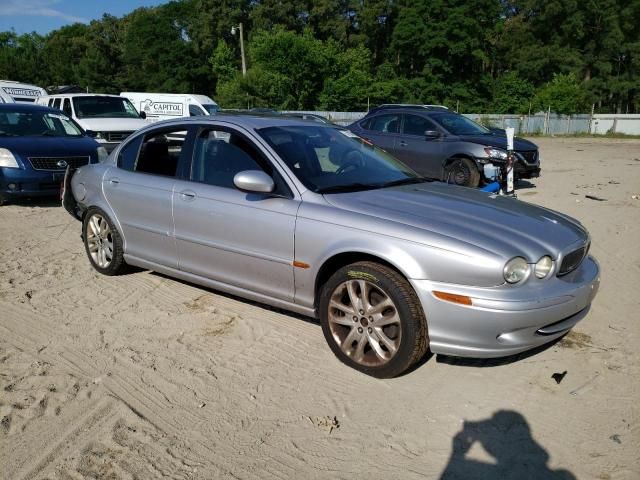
(163, 106)
(11, 92)
(108, 118)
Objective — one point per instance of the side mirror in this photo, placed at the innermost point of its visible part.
(255, 181)
(143, 115)
(91, 133)
(432, 134)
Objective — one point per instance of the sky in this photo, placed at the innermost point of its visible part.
(42, 16)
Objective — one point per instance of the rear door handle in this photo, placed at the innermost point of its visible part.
(403, 143)
(114, 181)
(187, 195)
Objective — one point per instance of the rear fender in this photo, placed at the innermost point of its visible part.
(68, 200)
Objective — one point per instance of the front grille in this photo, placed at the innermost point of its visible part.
(115, 136)
(531, 157)
(572, 260)
(57, 163)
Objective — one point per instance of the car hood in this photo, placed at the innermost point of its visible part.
(49, 146)
(112, 124)
(500, 141)
(458, 217)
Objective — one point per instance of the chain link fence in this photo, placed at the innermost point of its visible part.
(538, 124)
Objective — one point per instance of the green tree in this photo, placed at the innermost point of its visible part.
(564, 94)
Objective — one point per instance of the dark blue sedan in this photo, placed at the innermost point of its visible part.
(36, 145)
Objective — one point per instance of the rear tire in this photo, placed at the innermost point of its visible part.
(372, 319)
(103, 243)
(463, 172)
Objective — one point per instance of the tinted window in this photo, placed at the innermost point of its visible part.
(218, 155)
(66, 107)
(161, 152)
(56, 103)
(417, 125)
(195, 111)
(104, 107)
(383, 123)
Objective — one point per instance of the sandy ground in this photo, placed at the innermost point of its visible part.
(141, 376)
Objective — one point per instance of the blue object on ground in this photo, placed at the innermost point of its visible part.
(493, 187)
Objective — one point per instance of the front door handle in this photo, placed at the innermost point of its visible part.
(114, 181)
(187, 195)
(403, 143)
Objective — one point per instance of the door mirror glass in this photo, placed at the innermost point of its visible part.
(431, 133)
(254, 181)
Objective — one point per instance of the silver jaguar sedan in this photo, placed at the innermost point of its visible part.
(310, 218)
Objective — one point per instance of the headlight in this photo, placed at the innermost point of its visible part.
(7, 159)
(102, 154)
(495, 153)
(516, 270)
(543, 267)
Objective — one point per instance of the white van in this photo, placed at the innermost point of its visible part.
(162, 106)
(11, 92)
(111, 118)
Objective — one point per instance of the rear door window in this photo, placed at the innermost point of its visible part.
(389, 123)
(56, 103)
(160, 152)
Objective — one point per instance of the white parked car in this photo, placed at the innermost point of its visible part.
(108, 118)
(11, 92)
(165, 106)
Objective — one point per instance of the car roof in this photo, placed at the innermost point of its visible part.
(82, 95)
(246, 120)
(409, 107)
(26, 107)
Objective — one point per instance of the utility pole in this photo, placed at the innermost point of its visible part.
(244, 61)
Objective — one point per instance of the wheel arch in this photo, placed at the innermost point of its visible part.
(339, 260)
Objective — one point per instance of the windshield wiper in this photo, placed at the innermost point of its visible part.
(405, 181)
(349, 187)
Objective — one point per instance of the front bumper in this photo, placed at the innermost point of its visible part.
(23, 183)
(507, 320)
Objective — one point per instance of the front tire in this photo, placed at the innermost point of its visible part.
(463, 172)
(372, 319)
(103, 243)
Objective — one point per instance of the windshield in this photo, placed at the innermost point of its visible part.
(37, 124)
(459, 125)
(211, 108)
(104, 107)
(331, 160)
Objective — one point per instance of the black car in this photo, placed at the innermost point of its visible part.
(444, 145)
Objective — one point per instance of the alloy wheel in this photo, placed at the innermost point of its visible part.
(100, 240)
(364, 322)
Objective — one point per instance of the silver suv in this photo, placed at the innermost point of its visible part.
(442, 144)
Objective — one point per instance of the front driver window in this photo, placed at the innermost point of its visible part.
(219, 155)
(417, 125)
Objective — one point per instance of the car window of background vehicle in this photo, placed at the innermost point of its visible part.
(383, 123)
(459, 125)
(417, 125)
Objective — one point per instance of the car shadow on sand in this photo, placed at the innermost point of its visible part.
(506, 437)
